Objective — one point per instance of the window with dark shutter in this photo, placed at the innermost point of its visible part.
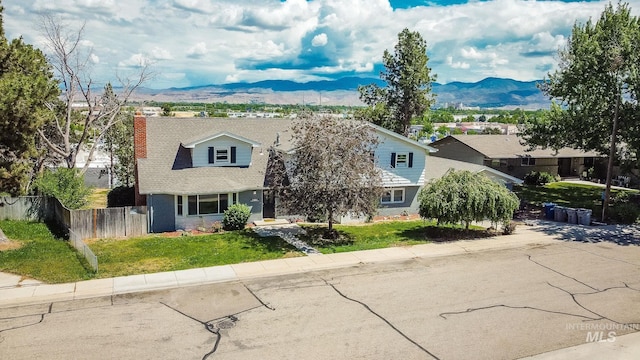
(410, 159)
(393, 160)
(211, 156)
(233, 154)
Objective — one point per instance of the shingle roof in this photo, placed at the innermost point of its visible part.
(509, 146)
(167, 168)
(438, 166)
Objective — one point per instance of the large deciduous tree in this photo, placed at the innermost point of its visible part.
(72, 130)
(330, 170)
(408, 85)
(596, 89)
(26, 86)
(464, 196)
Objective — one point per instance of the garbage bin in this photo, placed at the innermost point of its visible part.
(560, 213)
(572, 216)
(584, 216)
(548, 210)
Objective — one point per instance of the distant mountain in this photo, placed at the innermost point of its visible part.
(487, 93)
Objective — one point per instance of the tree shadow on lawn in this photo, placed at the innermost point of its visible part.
(444, 234)
(318, 236)
(269, 243)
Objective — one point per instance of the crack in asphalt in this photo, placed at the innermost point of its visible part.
(381, 318)
(215, 325)
(559, 273)
(42, 316)
(470, 310)
(257, 298)
(572, 294)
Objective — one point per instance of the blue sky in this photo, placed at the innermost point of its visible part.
(199, 42)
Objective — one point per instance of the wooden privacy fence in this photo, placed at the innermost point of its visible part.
(78, 224)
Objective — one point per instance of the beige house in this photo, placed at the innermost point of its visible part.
(507, 154)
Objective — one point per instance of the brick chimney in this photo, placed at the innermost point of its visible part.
(139, 152)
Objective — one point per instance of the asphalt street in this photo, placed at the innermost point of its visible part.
(499, 304)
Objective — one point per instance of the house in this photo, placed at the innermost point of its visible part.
(189, 170)
(507, 154)
(438, 167)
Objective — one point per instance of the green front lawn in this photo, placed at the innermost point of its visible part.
(40, 255)
(565, 194)
(155, 253)
(387, 234)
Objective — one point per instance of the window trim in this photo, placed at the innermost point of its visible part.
(393, 200)
(232, 198)
(405, 163)
(527, 161)
(218, 149)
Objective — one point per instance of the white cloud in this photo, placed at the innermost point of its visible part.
(249, 40)
(94, 59)
(158, 53)
(134, 61)
(319, 40)
(457, 64)
(198, 50)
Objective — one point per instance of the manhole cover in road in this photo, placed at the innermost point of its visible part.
(225, 324)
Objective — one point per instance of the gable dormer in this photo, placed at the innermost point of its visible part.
(221, 149)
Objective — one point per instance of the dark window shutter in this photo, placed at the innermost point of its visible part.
(410, 159)
(233, 154)
(393, 160)
(211, 155)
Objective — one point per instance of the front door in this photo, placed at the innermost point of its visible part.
(564, 167)
(268, 204)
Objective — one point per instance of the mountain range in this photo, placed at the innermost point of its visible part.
(487, 93)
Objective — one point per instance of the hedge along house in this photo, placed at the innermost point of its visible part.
(189, 170)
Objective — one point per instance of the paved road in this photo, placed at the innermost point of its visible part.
(500, 304)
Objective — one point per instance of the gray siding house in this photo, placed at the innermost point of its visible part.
(189, 170)
(506, 154)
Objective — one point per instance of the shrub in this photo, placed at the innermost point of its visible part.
(66, 185)
(121, 196)
(508, 227)
(463, 196)
(236, 217)
(539, 178)
(625, 213)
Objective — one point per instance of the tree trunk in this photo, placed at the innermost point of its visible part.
(612, 154)
(330, 221)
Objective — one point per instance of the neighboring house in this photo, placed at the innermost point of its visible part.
(189, 170)
(506, 154)
(439, 166)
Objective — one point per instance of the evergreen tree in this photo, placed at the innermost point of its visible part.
(408, 91)
(27, 85)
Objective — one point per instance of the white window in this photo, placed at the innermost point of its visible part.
(392, 196)
(402, 160)
(206, 204)
(528, 161)
(222, 155)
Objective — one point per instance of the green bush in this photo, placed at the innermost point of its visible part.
(66, 185)
(625, 213)
(539, 178)
(121, 196)
(236, 217)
